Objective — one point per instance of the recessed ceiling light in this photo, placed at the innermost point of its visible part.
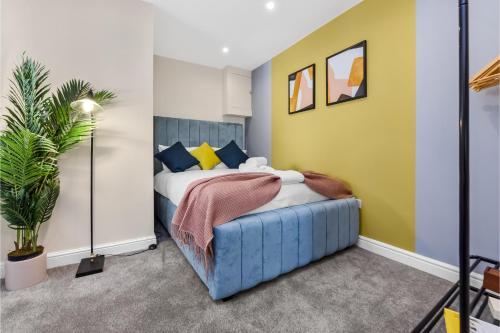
(270, 5)
(225, 49)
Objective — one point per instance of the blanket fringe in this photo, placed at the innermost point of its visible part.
(202, 255)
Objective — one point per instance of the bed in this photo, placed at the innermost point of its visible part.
(299, 226)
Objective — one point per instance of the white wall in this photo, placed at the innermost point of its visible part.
(189, 91)
(110, 44)
(1, 70)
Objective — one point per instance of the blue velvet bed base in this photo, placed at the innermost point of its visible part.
(259, 247)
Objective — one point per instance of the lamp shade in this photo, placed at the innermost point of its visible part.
(87, 104)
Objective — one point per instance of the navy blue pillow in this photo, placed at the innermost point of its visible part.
(177, 158)
(232, 155)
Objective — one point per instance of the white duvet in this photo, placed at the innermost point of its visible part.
(173, 185)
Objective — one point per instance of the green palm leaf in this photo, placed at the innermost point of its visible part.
(59, 114)
(103, 96)
(27, 95)
(80, 129)
(25, 158)
(45, 201)
(15, 208)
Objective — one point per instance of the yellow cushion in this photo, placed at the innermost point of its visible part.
(206, 155)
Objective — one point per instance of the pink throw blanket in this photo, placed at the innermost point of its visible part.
(329, 187)
(210, 202)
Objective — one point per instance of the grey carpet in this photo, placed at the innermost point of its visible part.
(157, 291)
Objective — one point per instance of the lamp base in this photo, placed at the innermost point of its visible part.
(89, 266)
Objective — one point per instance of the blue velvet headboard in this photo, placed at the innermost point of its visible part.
(192, 133)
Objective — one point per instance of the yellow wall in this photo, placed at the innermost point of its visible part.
(370, 142)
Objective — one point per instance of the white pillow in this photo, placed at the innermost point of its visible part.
(221, 165)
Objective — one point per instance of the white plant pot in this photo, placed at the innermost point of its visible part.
(25, 273)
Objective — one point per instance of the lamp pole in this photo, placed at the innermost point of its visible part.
(92, 191)
(464, 214)
(95, 263)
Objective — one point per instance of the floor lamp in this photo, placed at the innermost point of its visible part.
(95, 263)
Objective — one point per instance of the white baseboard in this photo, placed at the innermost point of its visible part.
(73, 256)
(428, 265)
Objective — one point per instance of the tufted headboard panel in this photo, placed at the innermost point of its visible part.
(192, 133)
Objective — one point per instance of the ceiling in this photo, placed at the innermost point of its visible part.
(197, 30)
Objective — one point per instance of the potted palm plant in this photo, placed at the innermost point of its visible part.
(40, 126)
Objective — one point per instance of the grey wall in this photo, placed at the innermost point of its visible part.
(437, 131)
(258, 127)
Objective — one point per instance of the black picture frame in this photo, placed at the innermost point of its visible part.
(292, 75)
(365, 73)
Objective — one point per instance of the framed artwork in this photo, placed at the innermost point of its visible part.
(346, 75)
(301, 90)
